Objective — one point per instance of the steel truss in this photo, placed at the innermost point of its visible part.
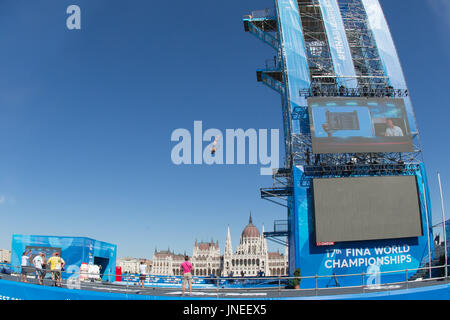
(388, 92)
(263, 25)
(280, 232)
(366, 58)
(281, 189)
(281, 194)
(316, 41)
(302, 154)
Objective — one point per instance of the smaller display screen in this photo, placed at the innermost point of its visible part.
(359, 125)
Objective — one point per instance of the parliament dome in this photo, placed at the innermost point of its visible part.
(250, 231)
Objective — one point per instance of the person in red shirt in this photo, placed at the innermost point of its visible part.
(186, 269)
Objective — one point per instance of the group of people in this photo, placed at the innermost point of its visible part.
(55, 263)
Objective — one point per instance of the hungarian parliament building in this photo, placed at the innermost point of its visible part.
(251, 258)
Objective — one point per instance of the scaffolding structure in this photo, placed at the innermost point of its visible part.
(366, 58)
(370, 75)
(318, 50)
(372, 82)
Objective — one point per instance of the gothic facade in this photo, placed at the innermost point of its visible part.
(166, 263)
(206, 259)
(250, 258)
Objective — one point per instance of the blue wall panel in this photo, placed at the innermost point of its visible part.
(74, 251)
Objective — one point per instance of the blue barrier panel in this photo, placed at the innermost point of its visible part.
(10, 290)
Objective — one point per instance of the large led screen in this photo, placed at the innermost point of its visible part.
(359, 125)
(366, 208)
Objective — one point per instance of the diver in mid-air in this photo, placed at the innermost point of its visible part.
(214, 146)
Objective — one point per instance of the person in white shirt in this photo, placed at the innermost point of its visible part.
(142, 273)
(38, 262)
(393, 130)
(23, 273)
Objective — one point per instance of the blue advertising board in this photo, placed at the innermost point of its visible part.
(385, 261)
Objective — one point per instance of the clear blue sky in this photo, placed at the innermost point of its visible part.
(86, 116)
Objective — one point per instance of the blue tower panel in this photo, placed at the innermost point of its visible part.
(295, 60)
(337, 39)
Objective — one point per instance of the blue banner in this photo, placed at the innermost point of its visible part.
(339, 47)
(294, 54)
(388, 53)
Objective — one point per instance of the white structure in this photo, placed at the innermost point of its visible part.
(166, 263)
(206, 259)
(131, 265)
(128, 265)
(5, 256)
(251, 256)
(278, 263)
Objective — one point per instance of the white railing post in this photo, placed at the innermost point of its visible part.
(444, 226)
(315, 280)
(406, 278)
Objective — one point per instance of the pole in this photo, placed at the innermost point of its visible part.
(443, 225)
(316, 284)
(428, 229)
(406, 278)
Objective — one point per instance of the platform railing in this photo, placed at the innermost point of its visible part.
(282, 284)
(261, 14)
(271, 82)
(335, 91)
(281, 226)
(264, 36)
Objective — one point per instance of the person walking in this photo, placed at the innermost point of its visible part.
(24, 265)
(186, 269)
(56, 265)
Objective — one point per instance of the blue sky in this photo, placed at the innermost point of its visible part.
(86, 116)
